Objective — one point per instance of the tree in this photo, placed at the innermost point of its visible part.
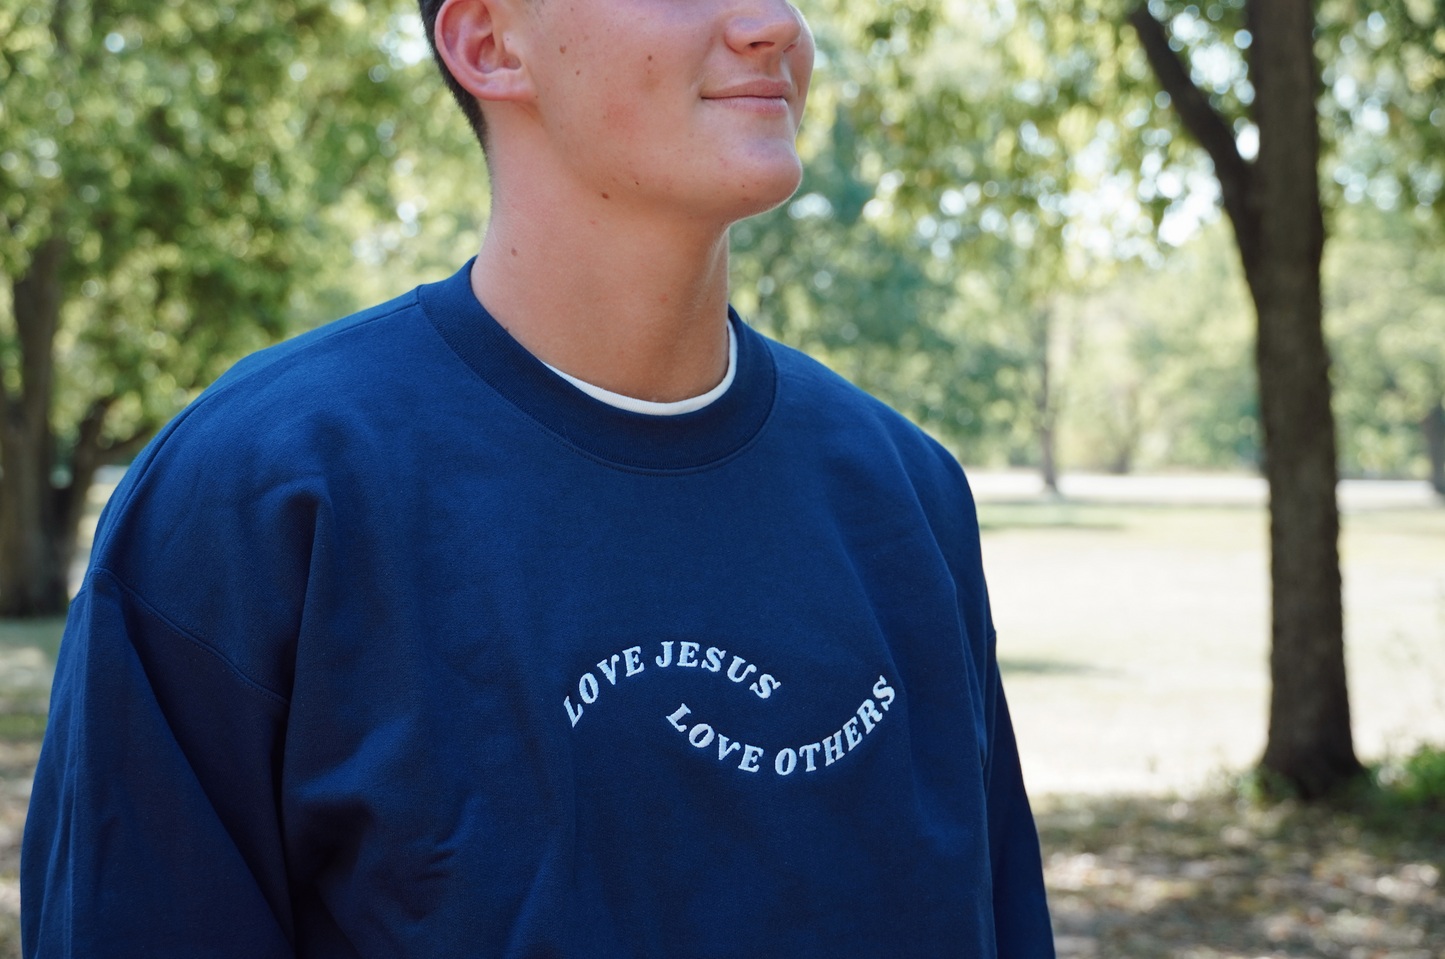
(1273, 202)
(165, 174)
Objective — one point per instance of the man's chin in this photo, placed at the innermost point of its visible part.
(769, 187)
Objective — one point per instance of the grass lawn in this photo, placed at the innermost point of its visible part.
(1134, 641)
(27, 662)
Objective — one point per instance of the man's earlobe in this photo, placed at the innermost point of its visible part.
(472, 43)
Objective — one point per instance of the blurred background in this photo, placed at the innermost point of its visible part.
(1040, 228)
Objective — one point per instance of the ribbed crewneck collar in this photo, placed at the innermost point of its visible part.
(619, 437)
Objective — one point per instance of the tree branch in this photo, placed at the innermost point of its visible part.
(129, 446)
(7, 401)
(86, 458)
(90, 452)
(58, 15)
(1206, 126)
(69, 501)
(35, 302)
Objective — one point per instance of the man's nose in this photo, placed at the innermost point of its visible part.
(771, 26)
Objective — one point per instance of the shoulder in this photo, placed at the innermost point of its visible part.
(282, 401)
(272, 431)
(307, 370)
(218, 523)
(853, 422)
(885, 475)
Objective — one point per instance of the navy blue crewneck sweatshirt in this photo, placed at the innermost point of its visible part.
(395, 643)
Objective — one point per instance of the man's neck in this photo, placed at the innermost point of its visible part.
(632, 303)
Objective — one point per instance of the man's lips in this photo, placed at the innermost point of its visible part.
(762, 97)
(752, 89)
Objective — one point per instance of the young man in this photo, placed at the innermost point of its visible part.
(547, 610)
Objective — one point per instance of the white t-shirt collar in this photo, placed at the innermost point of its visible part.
(634, 405)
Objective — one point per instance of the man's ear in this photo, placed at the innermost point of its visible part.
(472, 43)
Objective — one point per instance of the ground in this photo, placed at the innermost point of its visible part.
(1134, 639)
(1219, 877)
(1133, 635)
(27, 658)
(1132, 621)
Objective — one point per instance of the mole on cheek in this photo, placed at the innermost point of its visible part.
(562, 48)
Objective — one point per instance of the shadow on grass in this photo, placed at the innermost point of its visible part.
(1001, 515)
(42, 634)
(27, 665)
(1218, 876)
(1093, 516)
(28, 648)
(1046, 667)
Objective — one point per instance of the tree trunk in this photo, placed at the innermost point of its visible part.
(1433, 426)
(1131, 427)
(1046, 406)
(1274, 204)
(1048, 463)
(1310, 742)
(33, 562)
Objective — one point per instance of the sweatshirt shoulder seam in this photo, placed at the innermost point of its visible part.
(190, 636)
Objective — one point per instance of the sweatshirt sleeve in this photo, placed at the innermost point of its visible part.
(1020, 909)
(153, 828)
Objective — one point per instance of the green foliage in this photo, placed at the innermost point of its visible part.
(22, 726)
(1400, 798)
(1416, 780)
(941, 221)
(979, 174)
(877, 305)
(434, 209)
(838, 273)
(1038, 124)
(188, 155)
(1383, 72)
(1385, 103)
(1160, 370)
(1385, 289)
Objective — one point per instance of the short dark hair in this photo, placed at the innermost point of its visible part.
(465, 100)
